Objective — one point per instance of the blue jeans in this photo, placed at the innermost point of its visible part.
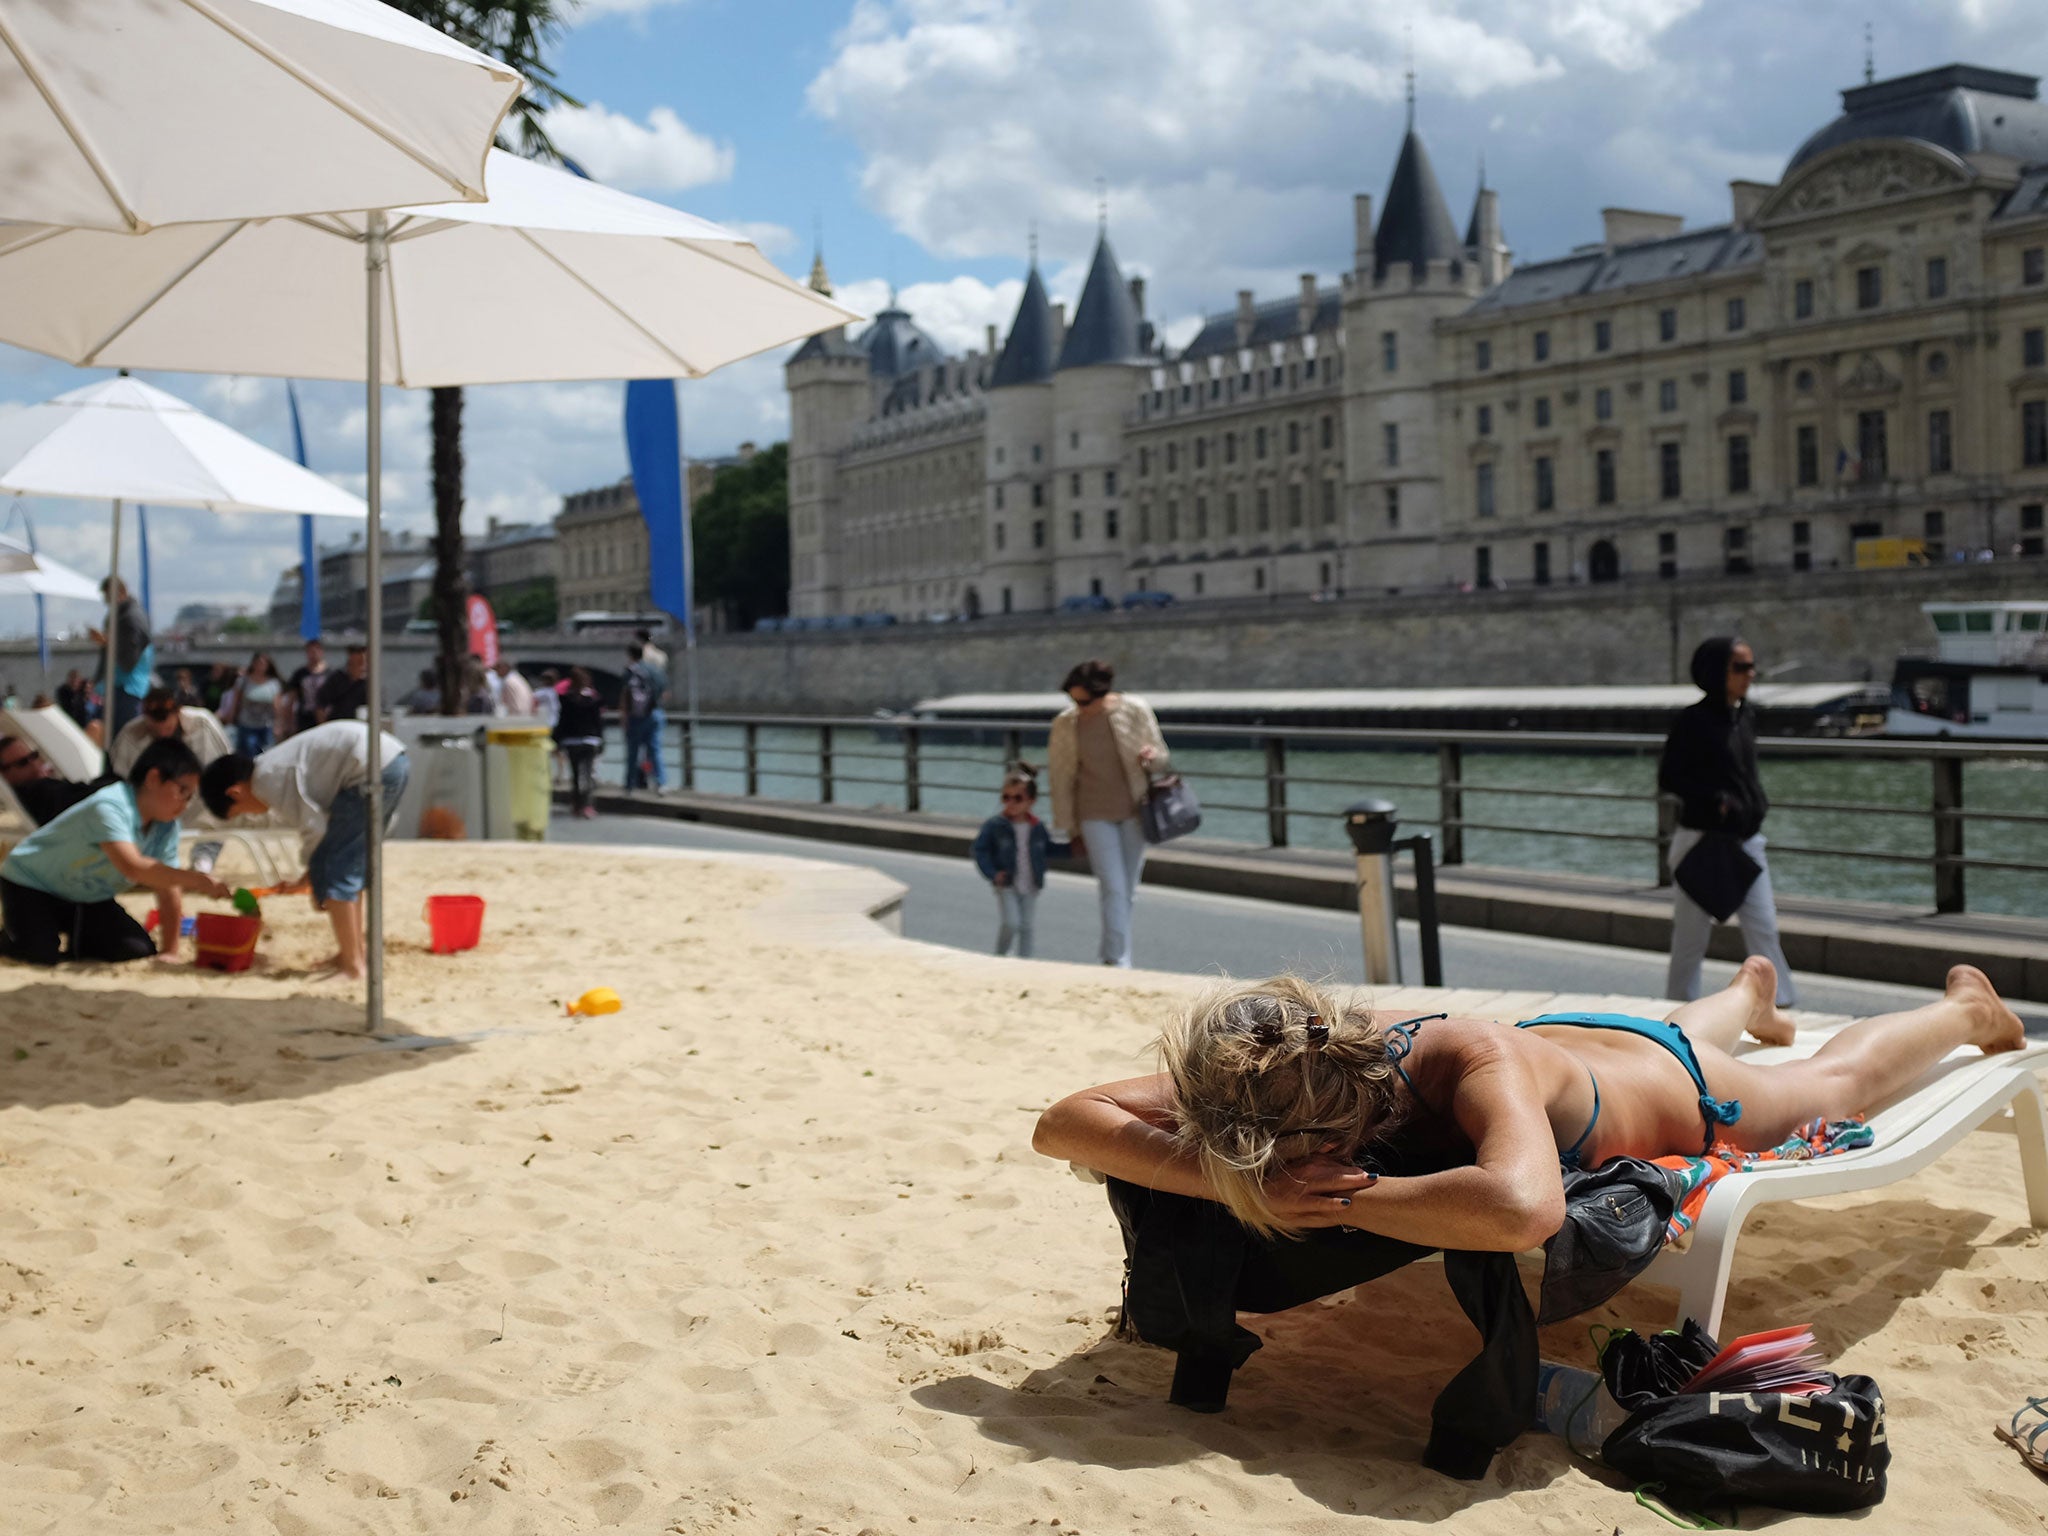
(253, 740)
(337, 868)
(1116, 852)
(643, 744)
(1015, 910)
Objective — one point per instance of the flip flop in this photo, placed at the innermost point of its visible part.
(2029, 1439)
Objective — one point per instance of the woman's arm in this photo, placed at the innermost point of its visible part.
(132, 864)
(1122, 1129)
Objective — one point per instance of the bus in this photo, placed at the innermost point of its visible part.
(595, 620)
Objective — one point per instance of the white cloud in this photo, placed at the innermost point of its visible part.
(956, 313)
(772, 239)
(590, 10)
(663, 154)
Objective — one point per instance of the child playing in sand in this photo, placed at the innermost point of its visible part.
(1010, 850)
(61, 880)
(319, 782)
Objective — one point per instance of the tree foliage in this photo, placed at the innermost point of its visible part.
(532, 607)
(740, 539)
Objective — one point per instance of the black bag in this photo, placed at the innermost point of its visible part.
(1170, 810)
(1822, 1454)
(1717, 874)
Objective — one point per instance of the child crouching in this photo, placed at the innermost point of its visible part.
(1010, 850)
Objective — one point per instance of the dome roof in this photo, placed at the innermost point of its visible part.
(1962, 108)
(895, 345)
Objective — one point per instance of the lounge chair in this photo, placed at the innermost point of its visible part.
(1957, 1096)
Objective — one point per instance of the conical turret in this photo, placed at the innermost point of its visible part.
(1105, 328)
(1027, 356)
(1415, 226)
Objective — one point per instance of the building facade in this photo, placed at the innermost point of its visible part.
(1860, 351)
(599, 542)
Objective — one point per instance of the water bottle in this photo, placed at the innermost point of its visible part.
(1576, 1406)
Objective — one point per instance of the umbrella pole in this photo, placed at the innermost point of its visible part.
(113, 628)
(375, 254)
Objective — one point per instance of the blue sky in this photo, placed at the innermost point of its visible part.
(927, 136)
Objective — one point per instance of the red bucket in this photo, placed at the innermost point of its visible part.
(226, 941)
(456, 922)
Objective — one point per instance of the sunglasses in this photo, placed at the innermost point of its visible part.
(1741, 666)
(1009, 796)
(30, 756)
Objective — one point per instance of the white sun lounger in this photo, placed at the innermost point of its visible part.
(1960, 1094)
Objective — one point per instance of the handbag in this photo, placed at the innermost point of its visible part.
(1717, 874)
(1170, 810)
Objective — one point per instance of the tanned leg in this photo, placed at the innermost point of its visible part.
(1747, 1005)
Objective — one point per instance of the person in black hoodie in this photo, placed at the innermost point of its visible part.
(1709, 763)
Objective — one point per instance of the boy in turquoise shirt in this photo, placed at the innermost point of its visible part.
(60, 881)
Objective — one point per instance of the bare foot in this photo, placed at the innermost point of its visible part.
(1767, 1021)
(1996, 1027)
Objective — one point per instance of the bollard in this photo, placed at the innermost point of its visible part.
(1371, 825)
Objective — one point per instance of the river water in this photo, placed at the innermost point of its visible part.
(1519, 792)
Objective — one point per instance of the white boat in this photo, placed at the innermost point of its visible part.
(1988, 676)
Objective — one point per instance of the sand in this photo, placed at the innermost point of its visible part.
(768, 1251)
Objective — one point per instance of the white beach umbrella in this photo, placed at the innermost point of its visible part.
(125, 114)
(24, 573)
(554, 278)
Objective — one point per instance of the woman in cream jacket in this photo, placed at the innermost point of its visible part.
(1105, 748)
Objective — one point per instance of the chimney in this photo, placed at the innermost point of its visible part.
(1632, 226)
(1745, 197)
(492, 531)
(1138, 296)
(746, 452)
(1059, 328)
(1308, 302)
(1361, 232)
(1246, 317)
(991, 340)
(1493, 250)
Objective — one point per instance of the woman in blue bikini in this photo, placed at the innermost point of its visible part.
(1274, 1094)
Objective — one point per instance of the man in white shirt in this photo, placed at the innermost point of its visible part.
(515, 694)
(319, 783)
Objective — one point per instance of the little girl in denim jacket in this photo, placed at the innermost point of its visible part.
(1011, 850)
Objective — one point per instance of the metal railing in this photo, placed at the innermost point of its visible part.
(910, 762)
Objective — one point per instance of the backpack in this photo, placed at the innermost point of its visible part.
(640, 694)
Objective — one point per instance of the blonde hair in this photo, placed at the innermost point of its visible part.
(1264, 1074)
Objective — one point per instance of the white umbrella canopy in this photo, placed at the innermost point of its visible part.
(124, 440)
(24, 573)
(126, 114)
(554, 278)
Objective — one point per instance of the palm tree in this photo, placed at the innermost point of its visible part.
(517, 33)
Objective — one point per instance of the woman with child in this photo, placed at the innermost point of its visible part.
(1104, 749)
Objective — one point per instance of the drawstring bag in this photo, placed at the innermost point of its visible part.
(1170, 810)
(1821, 1453)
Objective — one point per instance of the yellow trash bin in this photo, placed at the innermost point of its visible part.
(522, 790)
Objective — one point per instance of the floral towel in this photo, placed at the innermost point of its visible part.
(1816, 1138)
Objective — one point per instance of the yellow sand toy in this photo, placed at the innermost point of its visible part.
(597, 1000)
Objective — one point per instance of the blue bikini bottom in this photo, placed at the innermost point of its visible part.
(1714, 1112)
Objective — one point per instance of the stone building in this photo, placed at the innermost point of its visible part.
(1857, 352)
(599, 542)
(512, 559)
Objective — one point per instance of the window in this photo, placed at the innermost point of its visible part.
(1074, 440)
(1603, 477)
(1802, 299)
(1279, 373)
(999, 536)
(1198, 583)
(1802, 546)
(1390, 437)
(1037, 452)
(1109, 475)
(1735, 551)
(1808, 453)
(1230, 447)
(1074, 483)
(1144, 462)
(999, 498)
(1109, 523)
(1038, 533)
(1603, 404)
(1869, 287)
(1934, 533)
(1546, 485)
(1201, 517)
(1095, 586)
(1541, 563)
(1486, 421)
(1670, 482)
(1329, 502)
(1482, 566)
(1603, 335)
(1941, 450)
(1294, 437)
(1541, 344)
(2030, 531)
(1294, 505)
(1329, 431)
(1172, 521)
(2034, 433)
(1738, 386)
(1259, 443)
(1172, 462)
(1201, 452)
(1038, 494)
(1230, 512)
(1870, 447)
(1077, 525)
(1393, 500)
(1390, 351)
(2031, 268)
(1542, 410)
(1308, 370)
(1482, 355)
(1006, 599)
(1667, 325)
(1259, 579)
(1738, 313)
(1483, 485)
(1144, 525)
(2033, 347)
(1264, 510)
(1667, 394)
(1937, 277)
(1738, 465)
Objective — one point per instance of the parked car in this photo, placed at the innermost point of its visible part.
(1087, 602)
(768, 626)
(1148, 599)
(874, 620)
(838, 621)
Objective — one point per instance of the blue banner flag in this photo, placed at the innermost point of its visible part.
(654, 448)
(309, 553)
(142, 548)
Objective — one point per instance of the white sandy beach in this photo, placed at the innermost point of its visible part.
(768, 1251)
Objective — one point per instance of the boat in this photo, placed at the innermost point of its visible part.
(1988, 677)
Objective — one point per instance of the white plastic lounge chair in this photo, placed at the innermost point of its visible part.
(1956, 1097)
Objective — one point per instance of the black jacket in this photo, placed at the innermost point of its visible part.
(582, 717)
(1709, 759)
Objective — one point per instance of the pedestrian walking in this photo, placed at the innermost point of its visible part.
(1717, 853)
(579, 732)
(640, 706)
(300, 706)
(1010, 850)
(134, 656)
(515, 693)
(1104, 748)
(250, 706)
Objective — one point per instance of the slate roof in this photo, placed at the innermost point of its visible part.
(1960, 107)
(1105, 328)
(1027, 356)
(2027, 199)
(832, 343)
(1275, 320)
(1721, 248)
(1415, 225)
(896, 346)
